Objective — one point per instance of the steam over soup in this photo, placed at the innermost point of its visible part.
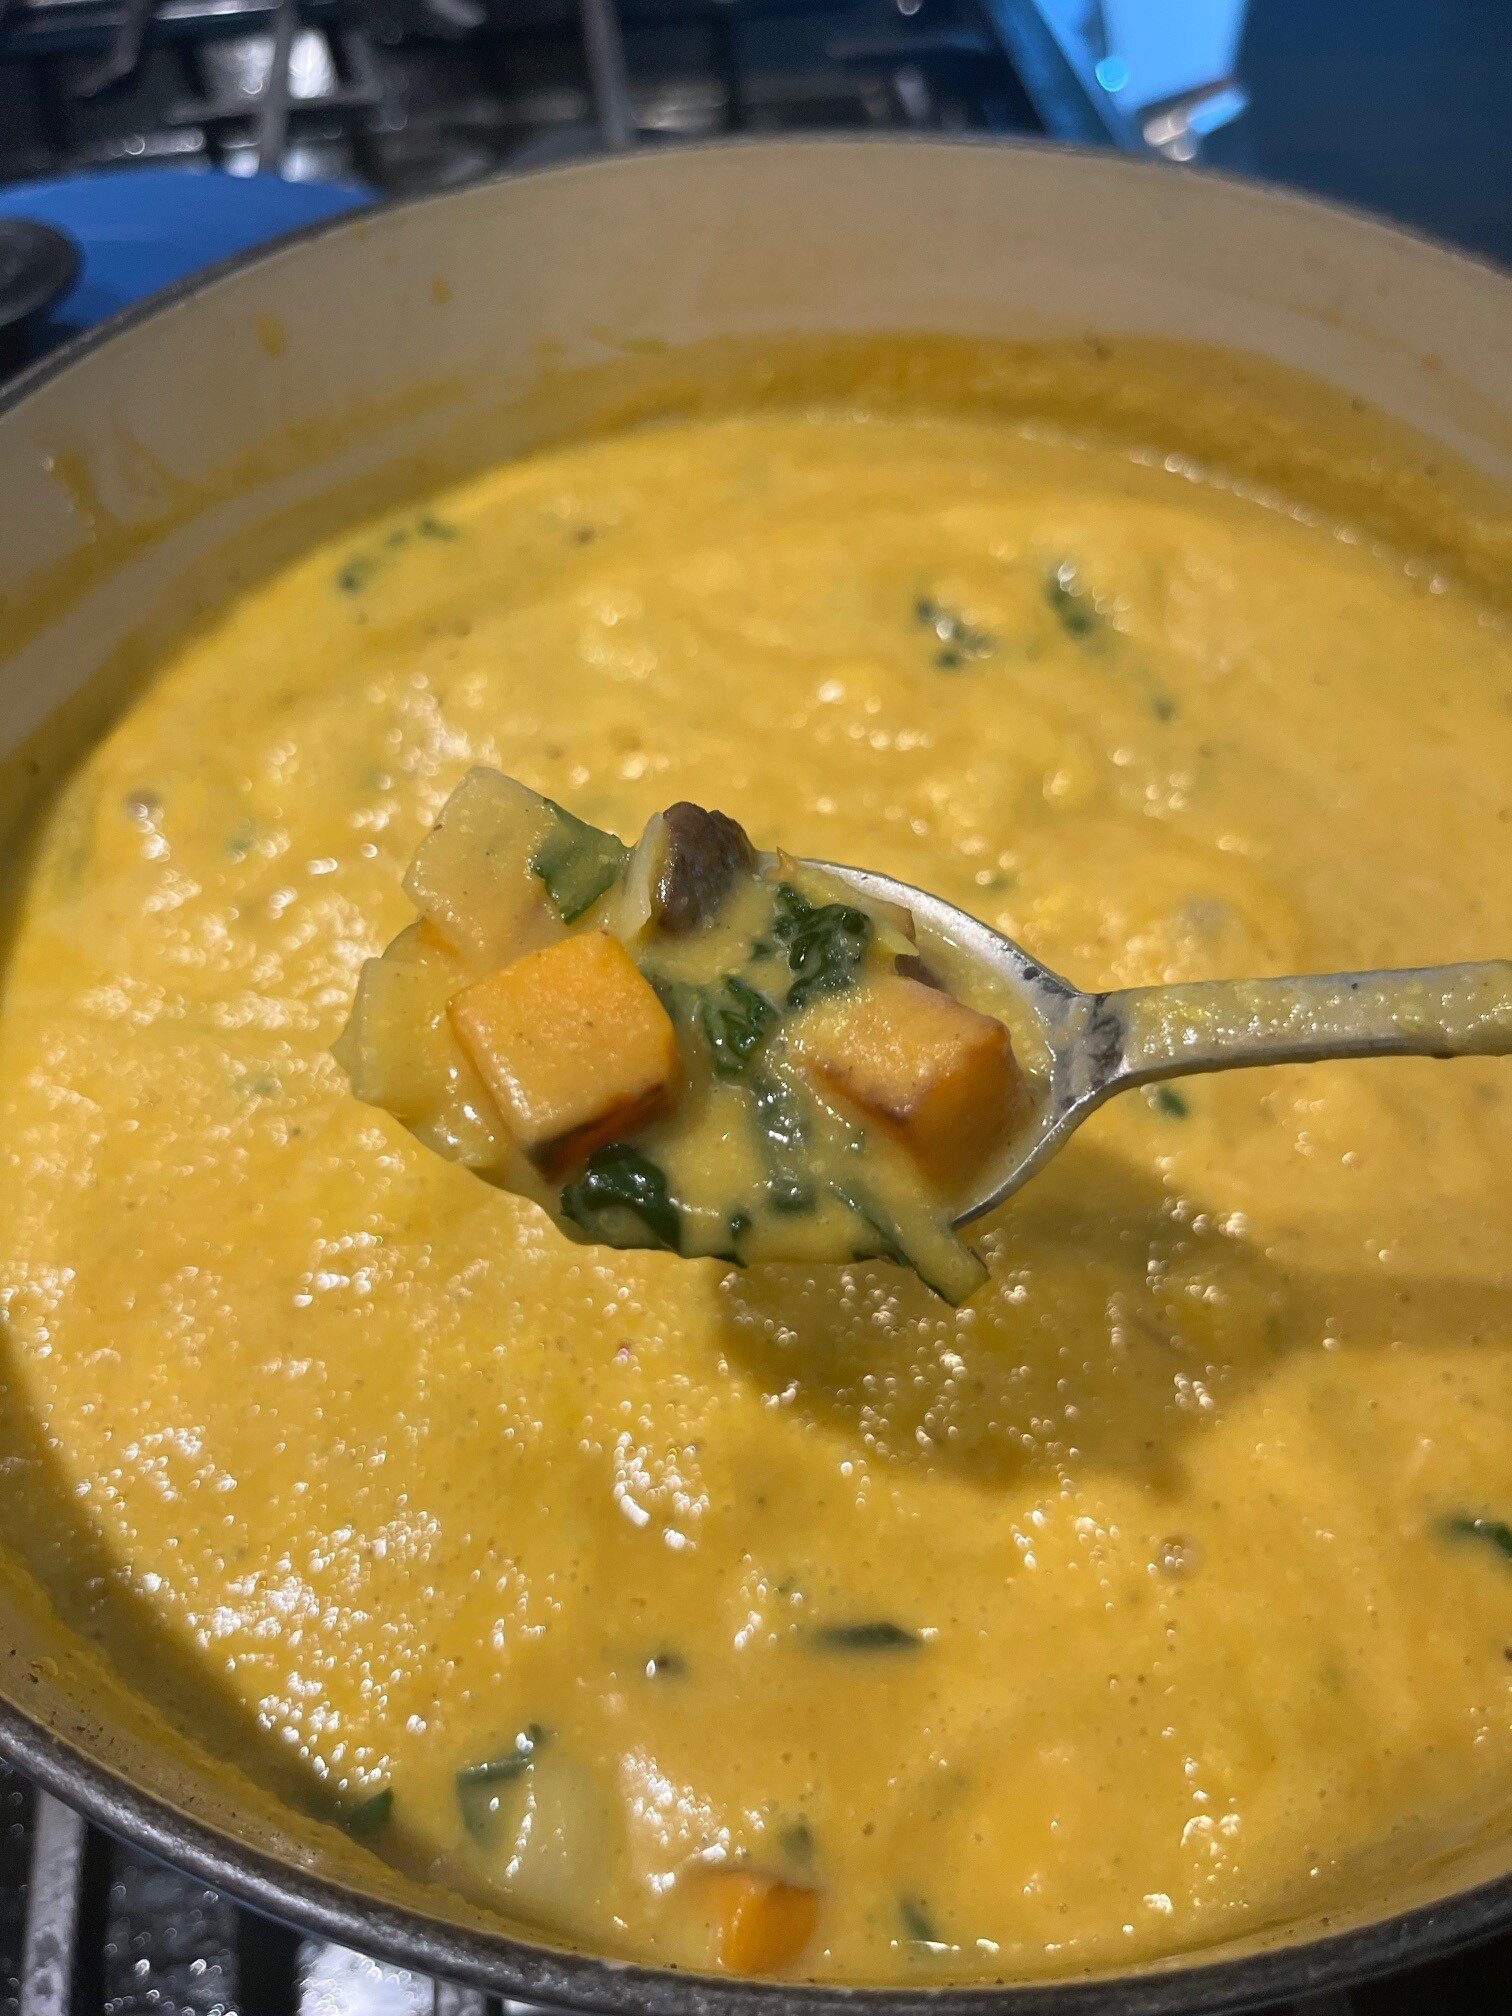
(784, 1618)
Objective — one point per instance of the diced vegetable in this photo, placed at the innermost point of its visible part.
(560, 1855)
(703, 852)
(620, 1198)
(577, 862)
(472, 875)
(761, 1924)
(574, 1046)
(937, 1074)
(778, 1072)
(400, 1053)
(549, 1823)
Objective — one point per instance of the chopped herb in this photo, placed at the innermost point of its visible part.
(680, 999)
(932, 1250)
(1495, 1533)
(872, 1634)
(371, 1814)
(1163, 708)
(666, 1666)
(240, 841)
(784, 1142)
(740, 1224)
(480, 1787)
(959, 639)
(577, 862)
(1070, 600)
(620, 1196)
(796, 1840)
(918, 1924)
(825, 943)
(735, 1025)
(1168, 1101)
(353, 575)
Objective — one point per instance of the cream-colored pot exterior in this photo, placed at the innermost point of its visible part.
(408, 345)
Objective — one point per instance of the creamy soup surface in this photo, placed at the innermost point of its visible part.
(1161, 1592)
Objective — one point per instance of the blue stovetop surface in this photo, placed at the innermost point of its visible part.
(139, 229)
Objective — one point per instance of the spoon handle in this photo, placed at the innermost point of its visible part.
(1218, 1025)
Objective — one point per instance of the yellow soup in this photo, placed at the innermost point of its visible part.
(787, 1618)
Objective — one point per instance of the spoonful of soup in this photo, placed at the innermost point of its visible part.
(695, 1045)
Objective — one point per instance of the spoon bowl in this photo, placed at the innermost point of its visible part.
(1099, 1044)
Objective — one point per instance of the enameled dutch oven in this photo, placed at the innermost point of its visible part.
(152, 469)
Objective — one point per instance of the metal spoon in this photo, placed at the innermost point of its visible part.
(1099, 1044)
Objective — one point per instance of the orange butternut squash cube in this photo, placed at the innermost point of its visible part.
(938, 1076)
(574, 1046)
(761, 1924)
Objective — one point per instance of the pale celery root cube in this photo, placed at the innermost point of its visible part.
(473, 876)
(574, 1046)
(937, 1075)
(400, 1052)
(560, 1860)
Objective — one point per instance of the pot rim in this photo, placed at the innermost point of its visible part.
(514, 1968)
(1248, 188)
(1183, 1985)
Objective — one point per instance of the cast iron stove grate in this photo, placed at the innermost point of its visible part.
(417, 94)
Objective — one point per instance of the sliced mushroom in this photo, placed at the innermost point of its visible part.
(912, 967)
(704, 852)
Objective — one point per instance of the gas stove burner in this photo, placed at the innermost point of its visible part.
(38, 265)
